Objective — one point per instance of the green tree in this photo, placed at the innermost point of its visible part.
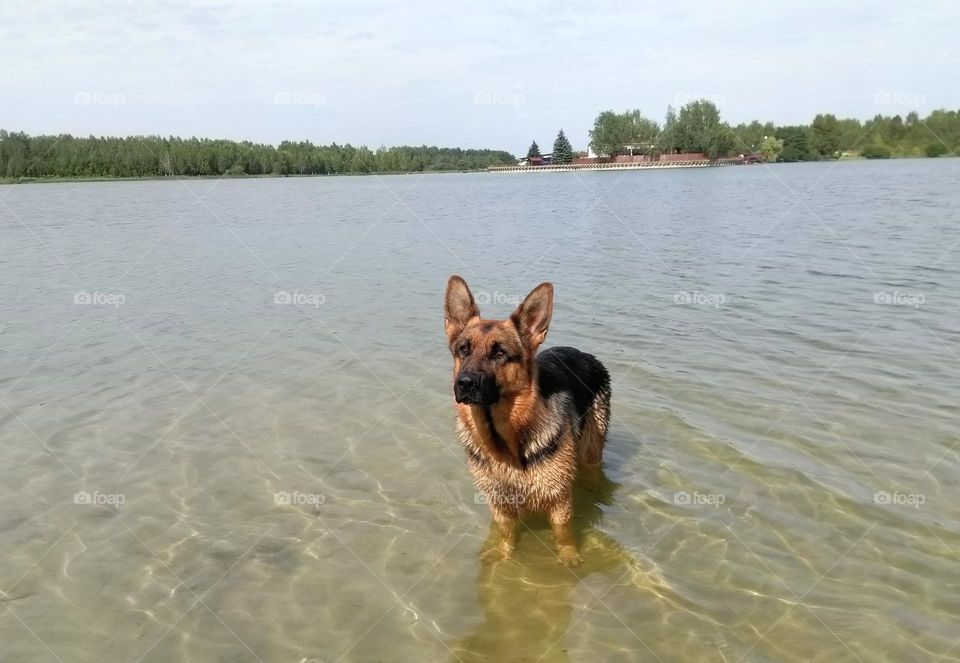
(623, 133)
(721, 141)
(796, 146)
(935, 150)
(667, 142)
(851, 133)
(770, 148)
(825, 135)
(749, 137)
(895, 128)
(698, 128)
(562, 150)
(534, 150)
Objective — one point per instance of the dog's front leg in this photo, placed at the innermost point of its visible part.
(559, 515)
(505, 534)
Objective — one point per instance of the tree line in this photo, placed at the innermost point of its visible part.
(153, 156)
(697, 127)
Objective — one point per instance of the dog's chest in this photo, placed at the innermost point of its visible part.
(533, 488)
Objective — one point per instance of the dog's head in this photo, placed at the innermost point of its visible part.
(493, 358)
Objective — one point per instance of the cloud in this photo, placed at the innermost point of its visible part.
(398, 74)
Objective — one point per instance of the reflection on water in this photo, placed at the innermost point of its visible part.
(527, 602)
(251, 455)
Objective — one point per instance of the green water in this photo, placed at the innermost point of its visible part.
(240, 445)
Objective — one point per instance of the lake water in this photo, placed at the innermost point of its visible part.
(227, 433)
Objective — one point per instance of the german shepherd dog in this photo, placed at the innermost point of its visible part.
(525, 420)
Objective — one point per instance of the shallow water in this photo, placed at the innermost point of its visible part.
(281, 481)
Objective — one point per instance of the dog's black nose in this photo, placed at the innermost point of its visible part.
(468, 381)
(467, 388)
(474, 388)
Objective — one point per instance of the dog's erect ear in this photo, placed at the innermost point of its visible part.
(458, 307)
(532, 317)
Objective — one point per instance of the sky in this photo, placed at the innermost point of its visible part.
(468, 74)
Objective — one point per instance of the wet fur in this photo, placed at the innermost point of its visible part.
(551, 413)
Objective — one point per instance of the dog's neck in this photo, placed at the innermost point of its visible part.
(504, 426)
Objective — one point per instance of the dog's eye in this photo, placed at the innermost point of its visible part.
(500, 353)
(463, 350)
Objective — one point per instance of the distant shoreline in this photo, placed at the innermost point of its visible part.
(266, 176)
(675, 165)
(490, 169)
(64, 157)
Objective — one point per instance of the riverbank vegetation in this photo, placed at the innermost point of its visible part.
(697, 127)
(68, 156)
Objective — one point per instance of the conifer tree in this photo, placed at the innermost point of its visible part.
(562, 150)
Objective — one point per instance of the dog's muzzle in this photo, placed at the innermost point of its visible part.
(475, 389)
